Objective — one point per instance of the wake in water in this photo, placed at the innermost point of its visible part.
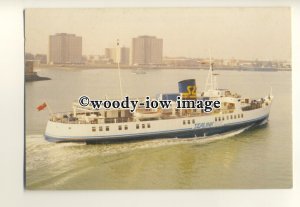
(60, 161)
(37, 142)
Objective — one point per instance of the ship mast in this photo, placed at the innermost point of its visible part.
(118, 57)
(210, 81)
(215, 81)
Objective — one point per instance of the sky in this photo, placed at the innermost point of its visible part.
(241, 33)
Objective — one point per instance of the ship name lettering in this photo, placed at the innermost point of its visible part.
(203, 125)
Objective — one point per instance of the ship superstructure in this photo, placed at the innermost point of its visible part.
(85, 124)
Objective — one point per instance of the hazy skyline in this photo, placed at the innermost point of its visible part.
(242, 33)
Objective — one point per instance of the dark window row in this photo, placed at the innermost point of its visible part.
(121, 127)
(125, 127)
(235, 116)
(188, 121)
(100, 128)
(143, 126)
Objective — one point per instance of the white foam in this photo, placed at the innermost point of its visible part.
(66, 151)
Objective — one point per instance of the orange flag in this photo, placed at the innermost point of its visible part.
(42, 106)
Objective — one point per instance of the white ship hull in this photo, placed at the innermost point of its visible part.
(197, 126)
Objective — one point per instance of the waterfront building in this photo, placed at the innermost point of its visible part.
(65, 49)
(147, 50)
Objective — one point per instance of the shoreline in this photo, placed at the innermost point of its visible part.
(34, 77)
(96, 67)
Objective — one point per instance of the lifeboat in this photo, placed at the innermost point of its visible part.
(147, 114)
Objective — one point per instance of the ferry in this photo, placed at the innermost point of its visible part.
(85, 124)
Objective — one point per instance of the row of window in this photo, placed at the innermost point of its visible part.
(143, 126)
(188, 121)
(100, 128)
(235, 116)
(120, 127)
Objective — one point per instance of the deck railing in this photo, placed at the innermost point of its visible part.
(90, 118)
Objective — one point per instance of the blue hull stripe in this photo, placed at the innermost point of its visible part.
(181, 133)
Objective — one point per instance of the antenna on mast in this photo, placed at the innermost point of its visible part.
(118, 57)
(210, 81)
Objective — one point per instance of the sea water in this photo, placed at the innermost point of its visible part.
(256, 158)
